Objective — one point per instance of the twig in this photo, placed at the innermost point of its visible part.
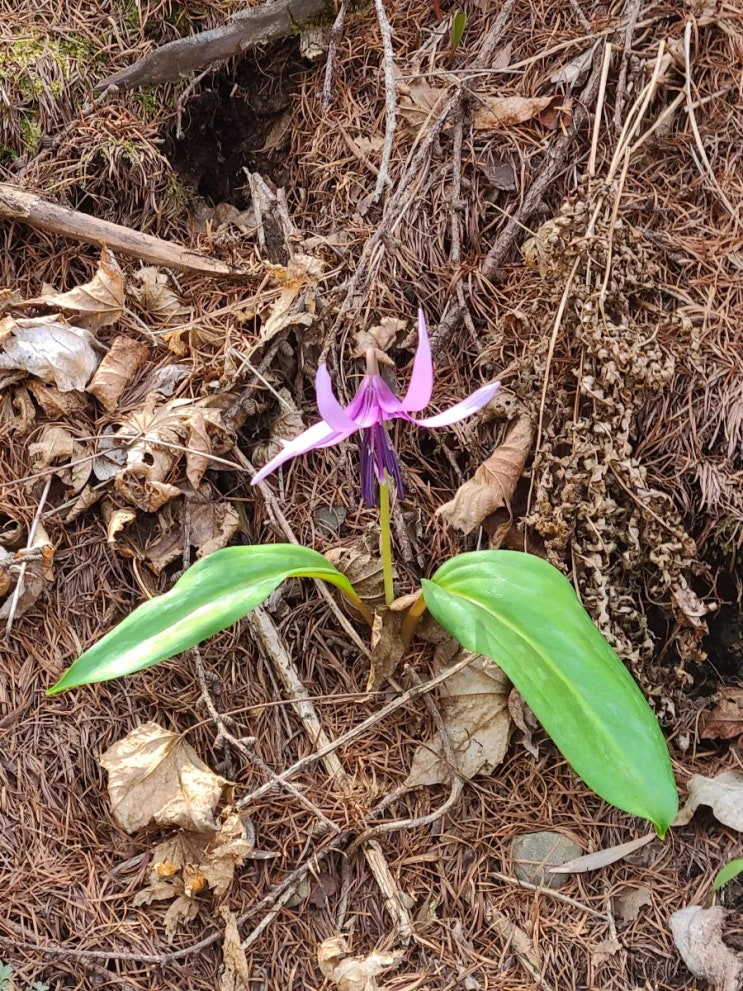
(243, 746)
(28, 208)
(266, 633)
(335, 33)
(710, 175)
(24, 564)
(250, 28)
(457, 785)
(415, 692)
(583, 20)
(396, 205)
(390, 100)
(557, 895)
(633, 12)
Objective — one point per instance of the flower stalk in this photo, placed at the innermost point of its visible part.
(385, 540)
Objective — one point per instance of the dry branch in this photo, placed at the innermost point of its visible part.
(29, 208)
(254, 27)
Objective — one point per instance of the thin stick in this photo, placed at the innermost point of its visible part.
(266, 633)
(29, 544)
(599, 107)
(390, 100)
(710, 175)
(335, 33)
(242, 746)
(417, 691)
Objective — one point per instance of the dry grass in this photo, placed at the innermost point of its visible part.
(634, 488)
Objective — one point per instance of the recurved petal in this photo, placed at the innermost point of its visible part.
(319, 435)
(461, 410)
(420, 388)
(330, 409)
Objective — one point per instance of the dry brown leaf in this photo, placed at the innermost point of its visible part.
(301, 274)
(379, 337)
(629, 901)
(48, 348)
(723, 794)
(418, 99)
(95, 304)
(211, 526)
(572, 72)
(154, 776)
(35, 577)
(353, 973)
(156, 298)
(604, 951)
(697, 933)
(725, 720)
(56, 446)
(361, 565)
(524, 720)
(387, 647)
(474, 707)
(58, 405)
(235, 972)
(156, 438)
(516, 938)
(494, 482)
(116, 519)
(602, 858)
(497, 113)
(688, 608)
(116, 371)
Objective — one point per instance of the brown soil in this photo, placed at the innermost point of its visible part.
(611, 314)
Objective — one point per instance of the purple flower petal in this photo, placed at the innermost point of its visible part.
(420, 388)
(330, 409)
(319, 435)
(461, 410)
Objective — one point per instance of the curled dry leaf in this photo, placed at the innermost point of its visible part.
(723, 794)
(517, 939)
(49, 349)
(494, 482)
(629, 901)
(212, 523)
(57, 447)
(157, 437)
(156, 298)
(497, 113)
(299, 276)
(95, 304)
(380, 338)
(116, 371)
(353, 973)
(235, 972)
(474, 707)
(362, 567)
(697, 933)
(154, 776)
(33, 567)
(387, 647)
(725, 720)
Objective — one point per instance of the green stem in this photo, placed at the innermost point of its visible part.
(385, 540)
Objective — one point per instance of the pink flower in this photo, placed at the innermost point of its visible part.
(373, 404)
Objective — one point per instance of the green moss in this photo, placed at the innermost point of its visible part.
(30, 133)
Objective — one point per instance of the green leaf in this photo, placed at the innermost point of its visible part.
(726, 874)
(521, 612)
(212, 595)
(458, 24)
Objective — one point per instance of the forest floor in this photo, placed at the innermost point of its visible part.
(562, 196)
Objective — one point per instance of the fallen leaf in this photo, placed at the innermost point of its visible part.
(95, 304)
(387, 647)
(379, 337)
(300, 274)
(571, 73)
(603, 858)
(494, 482)
(362, 567)
(156, 438)
(154, 776)
(58, 448)
(58, 405)
(497, 113)
(604, 950)
(353, 973)
(33, 567)
(116, 519)
(212, 524)
(51, 350)
(474, 707)
(688, 608)
(725, 720)
(235, 972)
(522, 945)
(287, 425)
(156, 298)
(697, 933)
(116, 371)
(524, 720)
(417, 98)
(629, 901)
(723, 794)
